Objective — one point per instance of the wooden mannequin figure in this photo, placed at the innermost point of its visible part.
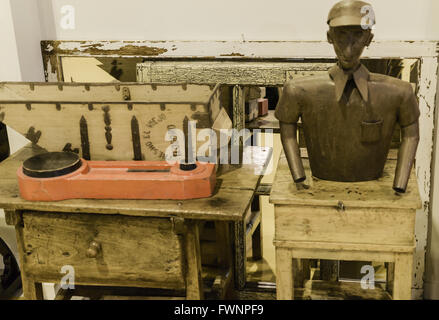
(349, 114)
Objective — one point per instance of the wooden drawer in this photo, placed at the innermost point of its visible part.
(354, 225)
(134, 251)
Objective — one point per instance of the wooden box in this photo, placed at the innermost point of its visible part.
(116, 121)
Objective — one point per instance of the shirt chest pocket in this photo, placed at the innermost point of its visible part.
(371, 131)
(371, 124)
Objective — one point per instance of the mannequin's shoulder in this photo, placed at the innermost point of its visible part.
(306, 83)
(391, 83)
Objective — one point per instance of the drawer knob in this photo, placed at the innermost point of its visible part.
(93, 250)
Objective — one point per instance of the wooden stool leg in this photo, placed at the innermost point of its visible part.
(240, 255)
(402, 283)
(284, 274)
(194, 283)
(390, 276)
(257, 242)
(301, 271)
(32, 290)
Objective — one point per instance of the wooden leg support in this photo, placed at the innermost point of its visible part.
(32, 290)
(402, 283)
(194, 283)
(240, 255)
(257, 242)
(284, 274)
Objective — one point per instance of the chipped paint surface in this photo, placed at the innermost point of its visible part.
(268, 50)
(427, 97)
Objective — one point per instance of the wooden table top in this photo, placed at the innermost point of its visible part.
(368, 194)
(235, 188)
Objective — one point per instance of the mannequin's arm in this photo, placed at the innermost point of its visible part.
(406, 156)
(288, 134)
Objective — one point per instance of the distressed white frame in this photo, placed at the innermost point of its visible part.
(425, 51)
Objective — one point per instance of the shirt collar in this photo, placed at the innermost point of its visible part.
(340, 78)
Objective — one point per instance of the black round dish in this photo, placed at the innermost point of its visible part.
(51, 164)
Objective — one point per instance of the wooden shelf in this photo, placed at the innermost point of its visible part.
(263, 123)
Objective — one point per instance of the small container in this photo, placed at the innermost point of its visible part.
(263, 107)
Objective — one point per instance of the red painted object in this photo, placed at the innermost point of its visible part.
(263, 107)
(122, 180)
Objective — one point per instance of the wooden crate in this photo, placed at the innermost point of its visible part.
(108, 121)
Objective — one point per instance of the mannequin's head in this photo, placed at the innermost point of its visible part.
(349, 43)
(350, 30)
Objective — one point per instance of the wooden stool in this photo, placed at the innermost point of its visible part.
(365, 221)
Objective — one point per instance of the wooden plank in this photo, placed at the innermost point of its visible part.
(223, 244)
(257, 238)
(240, 254)
(225, 204)
(368, 194)
(326, 290)
(353, 225)
(147, 247)
(268, 122)
(194, 284)
(31, 289)
(403, 272)
(349, 247)
(238, 109)
(284, 274)
(390, 276)
(346, 255)
(225, 49)
(227, 72)
(319, 290)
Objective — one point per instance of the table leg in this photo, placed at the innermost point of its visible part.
(32, 290)
(284, 274)
(224, 248)
(301, 271)
(240, 254)
(390, 275)
(257, 241)
(194, 283)
(224, 282)
(402, 283)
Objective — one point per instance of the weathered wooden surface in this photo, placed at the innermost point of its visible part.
(97, 121)
(229, 201)
(325, 290)
(353, 225)
(319, 290)
(363, 221)
(194, 284)
(284, 274)
(52, 51)
(402, 280)
(143, 252)
(226, 72)
(265, 123)
(368, 194)
(425, 51)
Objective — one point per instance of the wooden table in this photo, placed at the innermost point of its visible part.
(365, 221)
(126, 243)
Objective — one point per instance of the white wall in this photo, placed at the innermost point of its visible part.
(230, 19)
